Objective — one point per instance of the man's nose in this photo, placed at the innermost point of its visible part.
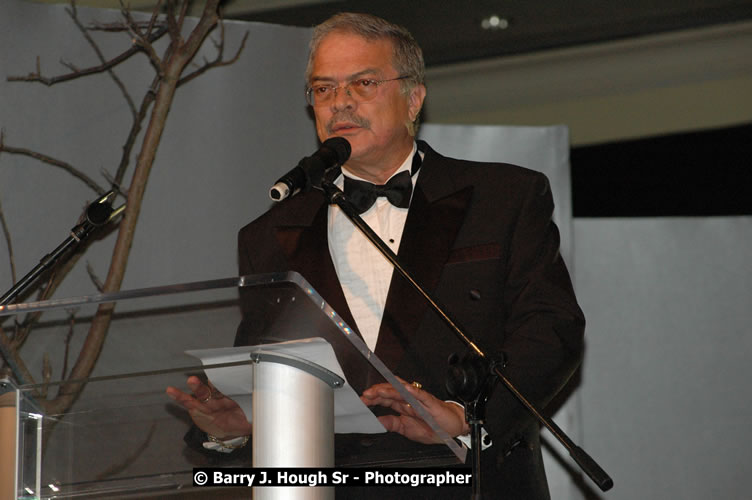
(343, 98)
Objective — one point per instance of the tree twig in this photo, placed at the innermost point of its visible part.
(68, 337)
(54, 162)
(36, 76)
(217, 62)
(143, 40)
(8, 244)
(94, 278)
(13, 352)
(73, 13)
(138, 120)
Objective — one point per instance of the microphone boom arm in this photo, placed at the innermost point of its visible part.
(583, 460)
(98, 214)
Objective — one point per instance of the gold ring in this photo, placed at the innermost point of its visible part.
(417, 385)
(206, 399)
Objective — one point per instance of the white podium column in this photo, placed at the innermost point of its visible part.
(293, 425)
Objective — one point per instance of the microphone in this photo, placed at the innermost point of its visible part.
(310, 170)
(100, 210)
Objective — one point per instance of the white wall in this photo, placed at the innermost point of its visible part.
(653, 85)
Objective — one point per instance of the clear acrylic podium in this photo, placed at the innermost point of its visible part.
(123, 437)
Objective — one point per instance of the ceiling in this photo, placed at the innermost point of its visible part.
(451, 31)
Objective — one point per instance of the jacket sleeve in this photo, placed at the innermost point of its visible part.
(543, 332)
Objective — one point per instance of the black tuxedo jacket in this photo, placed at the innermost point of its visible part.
(480, 237)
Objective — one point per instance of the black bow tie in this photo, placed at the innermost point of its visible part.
(362, 195)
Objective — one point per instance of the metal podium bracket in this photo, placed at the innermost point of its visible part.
(329, 378)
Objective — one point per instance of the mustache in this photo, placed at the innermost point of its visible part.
(348, 117)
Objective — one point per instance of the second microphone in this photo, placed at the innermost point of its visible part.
(310, 170)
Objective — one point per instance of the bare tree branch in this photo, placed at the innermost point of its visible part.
(183, 12)
(217, 62)
(127, 461)
(154, 16)
(68, 337)
(155, 104)
(94, 278)
(177, 56)
(49, 81)
(54, 162)
(143, 40)
(46, 375)
(138, 120)
(172, 24)
(73, 13)
(7, 344)
(8, 244)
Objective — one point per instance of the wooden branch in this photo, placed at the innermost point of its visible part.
(143, 41)
(36, 76)
(46, 375)
(172, 23)
(13, 352)
(55, 163)
(68, 337)
(55, 280)
(138, 120)
(73, 13)
(217, 62)
(9, 245)
(178, 55)
(116, 469)
(94, 278)
(154, 16)
(23, 329)
(120, 27)
(183, 12)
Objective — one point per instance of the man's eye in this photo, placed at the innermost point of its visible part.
(364, 83)
(322, 89)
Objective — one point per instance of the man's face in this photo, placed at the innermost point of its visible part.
(376, 129)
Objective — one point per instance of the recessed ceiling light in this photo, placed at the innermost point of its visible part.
(494, 22)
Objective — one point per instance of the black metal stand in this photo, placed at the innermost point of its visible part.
(483, 363)
(470, 381)
(98, 214)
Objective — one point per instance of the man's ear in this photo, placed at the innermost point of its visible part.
(415, 101)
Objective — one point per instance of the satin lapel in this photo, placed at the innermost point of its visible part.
(430, 231)
(307, 251)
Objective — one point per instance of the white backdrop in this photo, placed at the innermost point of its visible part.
(665, 387)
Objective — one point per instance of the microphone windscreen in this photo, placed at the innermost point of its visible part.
(340, 147)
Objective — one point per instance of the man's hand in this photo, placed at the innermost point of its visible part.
(212, 411)
(449, 416)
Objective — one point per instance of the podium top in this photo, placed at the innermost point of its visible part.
(152, 329)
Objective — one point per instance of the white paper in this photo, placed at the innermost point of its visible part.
(236, 382)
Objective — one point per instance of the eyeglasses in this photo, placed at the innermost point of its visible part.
(362, 89)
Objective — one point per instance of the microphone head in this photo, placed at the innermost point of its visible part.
(340, 147)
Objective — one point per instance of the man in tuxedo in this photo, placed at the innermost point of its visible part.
(478, 236)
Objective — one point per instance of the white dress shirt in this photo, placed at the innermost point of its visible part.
(363, 272)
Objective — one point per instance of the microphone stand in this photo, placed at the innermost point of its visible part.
(98, 214)
(476, 365)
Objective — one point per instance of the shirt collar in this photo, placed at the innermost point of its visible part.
(406, 165)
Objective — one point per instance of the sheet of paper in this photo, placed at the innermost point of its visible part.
(236, 382)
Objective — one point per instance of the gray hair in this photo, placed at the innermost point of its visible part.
(407, 58)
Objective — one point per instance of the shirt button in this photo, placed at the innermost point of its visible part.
(475, 294)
